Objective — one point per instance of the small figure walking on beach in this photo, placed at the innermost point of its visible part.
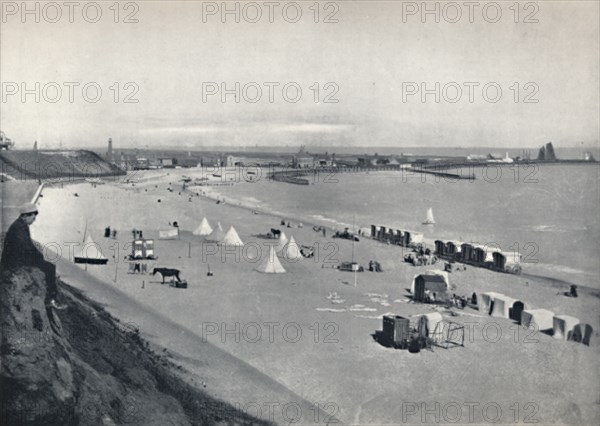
(324, 233)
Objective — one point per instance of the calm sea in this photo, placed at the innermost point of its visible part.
(549, 213)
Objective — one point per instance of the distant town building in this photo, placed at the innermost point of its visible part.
(141, 163)
(325, 160)
(188, 162)
(377, 161)
(167, 163)
(587, 156)
(231, 161)
(127, 162)
(303, 159)
(109, 153)
(5, 142)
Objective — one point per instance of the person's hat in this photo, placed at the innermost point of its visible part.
(28, 208)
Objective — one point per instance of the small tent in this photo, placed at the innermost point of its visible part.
(281, 241)
(516, 311)
(440, 247)
(231, 238)
(217, 234)
(582, 333)
(486, 300)
(435, 284)
(564, 326)
(292, 250)
(501, 306)
(443, 274)
(271, 264)
(542, 318)
(90, 253)
(453, 248)
(203, 229)
(427, 324)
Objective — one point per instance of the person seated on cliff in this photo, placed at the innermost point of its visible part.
(19, 251)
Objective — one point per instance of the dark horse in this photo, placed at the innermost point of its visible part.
(167, 272)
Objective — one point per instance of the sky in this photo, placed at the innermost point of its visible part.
(355, 73)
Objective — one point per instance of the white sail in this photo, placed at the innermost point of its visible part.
(429, 220)
(89, 252)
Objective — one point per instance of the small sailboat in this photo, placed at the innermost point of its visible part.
(90, 253)
(429, 219)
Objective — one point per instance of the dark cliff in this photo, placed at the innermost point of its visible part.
(80, 366)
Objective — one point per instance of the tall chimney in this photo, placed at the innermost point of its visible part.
(109, 155)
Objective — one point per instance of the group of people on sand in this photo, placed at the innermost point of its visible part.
(108, 233)
(288, 224)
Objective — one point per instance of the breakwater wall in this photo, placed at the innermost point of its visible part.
(302, 176)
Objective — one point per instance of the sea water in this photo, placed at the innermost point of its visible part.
(549, 213)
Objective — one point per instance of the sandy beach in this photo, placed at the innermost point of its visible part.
(291, 331)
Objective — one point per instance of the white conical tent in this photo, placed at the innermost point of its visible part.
(203, 229)
(292, 250)
(271, 264)
(231, 238)
(217, 234)
(282, 241)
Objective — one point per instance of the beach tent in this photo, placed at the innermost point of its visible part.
(563, 326)
(506, 261)
(501, 306)
(515, 312)
(89, 253)
(203, 229)
(486, 300)
(542, 318)
(453, 248)
(281, 241)
(440, 247)
(443, 274)
(381, 233)
(582, 333)
(217, 234)
(427, 324)
(231, 238)
(433, 283)
(292, 250)
(411, 237)
(483, 253)
(467, 251)
(375, 231)
(271, 264)
(397, 237)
